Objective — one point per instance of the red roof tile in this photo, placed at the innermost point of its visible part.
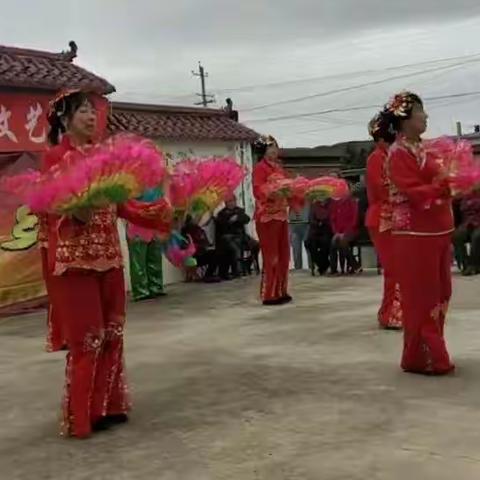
(177, 123)
(23, 68)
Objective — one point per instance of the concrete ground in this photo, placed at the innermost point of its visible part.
(225, 389)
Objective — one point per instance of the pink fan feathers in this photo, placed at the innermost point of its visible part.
(322, 188)
(457, 157)
(298, 189)
(198, 186)
(177, 256)
(112, 172)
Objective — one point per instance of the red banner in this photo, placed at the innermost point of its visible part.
(20, 267)
(23, 132)
(23, 121)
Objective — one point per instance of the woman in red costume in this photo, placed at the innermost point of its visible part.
(422, 228)
(271, 219)
(82, 266)
(379, 221)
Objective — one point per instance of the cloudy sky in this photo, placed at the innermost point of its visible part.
(309, 71)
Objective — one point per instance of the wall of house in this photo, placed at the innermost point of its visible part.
(176, 151)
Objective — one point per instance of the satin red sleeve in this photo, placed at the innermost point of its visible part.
(156, 215)
(259, 179)
(406, 176)
(375, 187)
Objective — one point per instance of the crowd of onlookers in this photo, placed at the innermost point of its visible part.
(232, 252)
(466, 239)
(329, 230)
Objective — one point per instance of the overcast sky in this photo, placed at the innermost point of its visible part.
(313, 55)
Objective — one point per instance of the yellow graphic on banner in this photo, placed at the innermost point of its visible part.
(24, 233)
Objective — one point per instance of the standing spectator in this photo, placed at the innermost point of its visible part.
(468, 232)
(344, 222)
(145, 255)
(231, 236)
(320, 235)
(298, 234)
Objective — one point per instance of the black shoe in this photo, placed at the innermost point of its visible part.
(101, 425)
(277, 301)
(117, 419)
(212, 279)
(468, 272)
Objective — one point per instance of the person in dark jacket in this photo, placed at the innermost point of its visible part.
(231, 237)
(320, 235)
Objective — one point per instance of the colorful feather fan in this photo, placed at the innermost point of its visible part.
(113, 172)
(322, 188)
(178, 250)
(457, 157)
(298, 189)
(199, 186)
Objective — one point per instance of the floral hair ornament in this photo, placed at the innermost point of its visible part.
(58, 105)
(265, 141)
(401, 104)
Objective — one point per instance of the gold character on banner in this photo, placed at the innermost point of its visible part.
(4, 127)
(24, 233)
(33, 116)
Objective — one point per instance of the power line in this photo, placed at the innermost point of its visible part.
(354, 108)
(359, 86)
(342, 75)
(307, 79)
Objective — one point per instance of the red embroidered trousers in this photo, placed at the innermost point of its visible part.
(390, 313)
(275, 247)
(423, 269)
(89, 307)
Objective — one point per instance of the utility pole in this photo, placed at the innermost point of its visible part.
(206, 98)
(459, 129)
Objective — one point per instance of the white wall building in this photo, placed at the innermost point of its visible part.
(186, 132)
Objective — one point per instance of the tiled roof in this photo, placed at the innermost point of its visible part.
(22, 68)
(177, 123)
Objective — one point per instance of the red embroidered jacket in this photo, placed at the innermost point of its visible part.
(379, 209)
(268, 209)
(94, 245)
(420, 196)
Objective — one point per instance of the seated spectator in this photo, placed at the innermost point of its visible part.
(468, 231)
(232, 238)
(319, 238)
(205, 255)
(344, 222)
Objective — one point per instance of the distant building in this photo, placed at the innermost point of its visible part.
(312, 162)
(188, 132)
(29, 79)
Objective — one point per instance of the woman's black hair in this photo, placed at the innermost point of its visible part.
(62, 109)
(400, 108)
(261, 144)
(380, 128)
